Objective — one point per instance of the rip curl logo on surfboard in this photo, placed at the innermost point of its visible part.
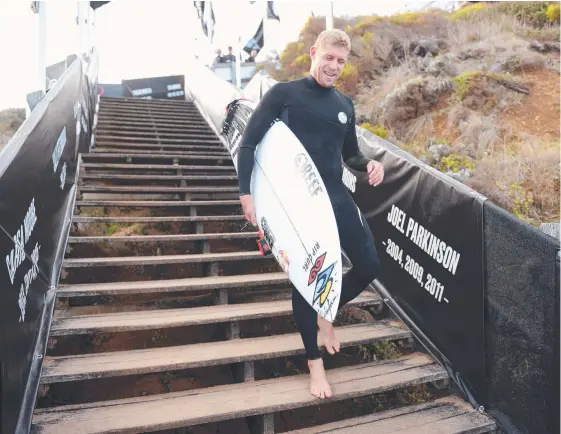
(323, 279)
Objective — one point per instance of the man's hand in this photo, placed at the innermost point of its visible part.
(375, 172)
(248, 208)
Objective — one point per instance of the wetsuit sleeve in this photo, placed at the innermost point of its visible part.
(269, 108)
(352, 156)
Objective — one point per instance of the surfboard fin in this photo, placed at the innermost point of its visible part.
(264, 247)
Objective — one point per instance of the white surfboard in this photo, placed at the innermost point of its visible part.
(293, 211)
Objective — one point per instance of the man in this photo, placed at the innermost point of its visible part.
(229, 58)
(219, 58)
(251, 58)
(323, 119)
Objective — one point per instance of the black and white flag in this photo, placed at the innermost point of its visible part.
(206, 15)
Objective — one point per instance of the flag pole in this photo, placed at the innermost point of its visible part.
(329, 16)
(239, 64)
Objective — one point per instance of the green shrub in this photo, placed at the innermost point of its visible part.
(553, 13)
(470, 12)
(533, 13)
(465, 82)
(456, 162)
(379, 130)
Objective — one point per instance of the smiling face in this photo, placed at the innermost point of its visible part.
(329, 56)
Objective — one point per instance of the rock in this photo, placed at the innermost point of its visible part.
(546, 47)
(441, 65)
(437, 152)
(358, 315)
(536, 46)
(551, 229)
(425, 47)
(473, 52)
(462, 175)
(552, 46)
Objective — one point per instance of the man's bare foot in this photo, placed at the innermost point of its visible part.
(319, 387)
(327, 336)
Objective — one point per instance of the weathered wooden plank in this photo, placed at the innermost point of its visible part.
(195, 258)
(156, 189)
(187, 125)
(100, 365)
(168, 318)
(157, 203)
(161, 139)
(149, 132)
(162, 177)
(178, 409)
(163, 238)
(152, 143)
(185, 119)
(162, 286)
(447, 416)
(173, 219)
(158, 167)
(149, 114)
(124, 100)
(117, 150)
(171, 156)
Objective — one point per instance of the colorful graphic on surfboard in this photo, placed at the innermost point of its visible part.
(293, 211)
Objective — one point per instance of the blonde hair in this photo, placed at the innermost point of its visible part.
(334, 37)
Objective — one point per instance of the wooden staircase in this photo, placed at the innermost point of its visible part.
(169, 320)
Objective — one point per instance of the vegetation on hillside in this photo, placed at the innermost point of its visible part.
(474, 93)
(10, 121)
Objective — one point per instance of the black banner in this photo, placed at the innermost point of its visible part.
(522, 324)
(427, 229)
(37, 189)
(256, 43)
(170, 87)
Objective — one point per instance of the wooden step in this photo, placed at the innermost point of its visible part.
(446, 415)
(149, 108)
(155, 189)
(149, 152)
(153, 144)
(167, 219)
(164, 238)
(187, 125)
(175, 285)
(156, 203)
(178, 409)
(101, 365)
(155, 131)
(116, 150)
(162, 177)
(194, 258)
(124, 100)
(131, 166)
(148, 112)
(160, 140)
(101, 155)
(148, 118)
(148, 132)
(168, 318)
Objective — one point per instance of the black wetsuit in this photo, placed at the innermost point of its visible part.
(323, 119)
